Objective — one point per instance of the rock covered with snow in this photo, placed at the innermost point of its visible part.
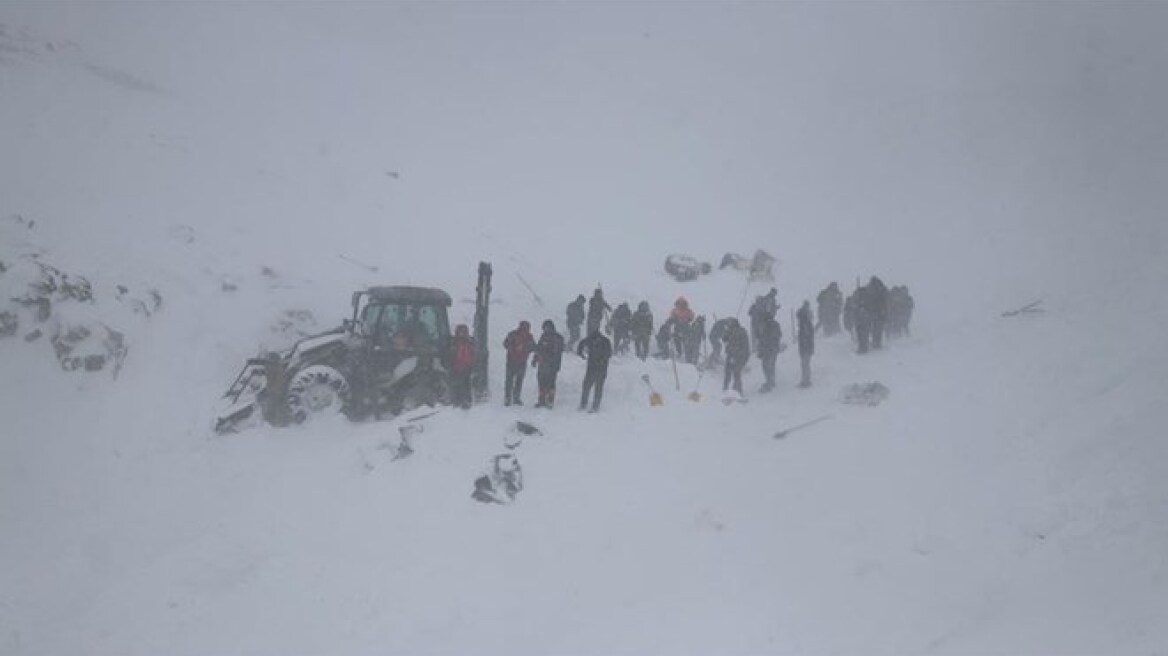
(42, 302)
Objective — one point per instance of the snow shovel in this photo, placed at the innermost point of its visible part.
(405, 448)
(695, 395)
(654, 398)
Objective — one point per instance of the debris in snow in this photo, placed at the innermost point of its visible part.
(787, 431)
(368, 267)
(405, 447)
(527, 429)
(143, 303)
(684, 268)
(870, 394)
(1029, 308)
(295, 324)
(9, 323)
(88, 346)
(502, 482)
(38, 299)
(758, 267)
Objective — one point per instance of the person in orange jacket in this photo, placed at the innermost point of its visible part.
(682, 318)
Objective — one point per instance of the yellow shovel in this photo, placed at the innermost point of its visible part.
(654, 398)
(695, 395)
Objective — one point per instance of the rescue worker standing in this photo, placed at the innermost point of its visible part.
(877, 297)
(549, 353)
(770, 339)
(621, 318)
(850, 313)
(737, 351)
(597, 308)
(575, 319)
(682, 318)
(641, 326)
(763, 308)
(806, 337)
(519, 344)
(900, 309)
(863, 319)
(831, 303)
(599, 350)
(716, 333)
(462, 358)
(664, 336)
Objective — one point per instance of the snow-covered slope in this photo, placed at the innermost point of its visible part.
(1008, 497)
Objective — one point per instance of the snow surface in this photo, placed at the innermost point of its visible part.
(1009, 497)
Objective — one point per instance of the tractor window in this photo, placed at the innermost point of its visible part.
(419, 326)
(407, 326)
(428, 316)
(381, 320)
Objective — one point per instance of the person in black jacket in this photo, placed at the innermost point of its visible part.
(641, 326)
(519, 344)
(806, 336)
(716, 333)
(770, 340)
(863, 319)
(549, 352)
(900, 309)
(599, 351)
(763, 308)
(597, 308)
(694, 338)
(622, 317)
(664, 339)
(850, 313)
(877, 298)
(831, 304)
(737, 352)
(575, 319)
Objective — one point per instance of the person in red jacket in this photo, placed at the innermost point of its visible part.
(682, 317)
(519, 344)
(462, 357)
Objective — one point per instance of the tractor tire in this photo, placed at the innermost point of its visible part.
(317, 391)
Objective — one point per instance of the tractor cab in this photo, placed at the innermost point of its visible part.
(410, 321)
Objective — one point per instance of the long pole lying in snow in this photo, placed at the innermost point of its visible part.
(787, 431)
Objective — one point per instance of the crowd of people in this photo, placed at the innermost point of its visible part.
(870, 314)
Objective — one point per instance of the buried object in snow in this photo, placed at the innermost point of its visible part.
(502, 482)
(684, 268)
(870, 394)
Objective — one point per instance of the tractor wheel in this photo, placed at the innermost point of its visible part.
(317, 391)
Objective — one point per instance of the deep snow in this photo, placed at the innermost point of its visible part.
(1009, 497)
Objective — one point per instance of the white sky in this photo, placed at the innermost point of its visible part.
(902, 138)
